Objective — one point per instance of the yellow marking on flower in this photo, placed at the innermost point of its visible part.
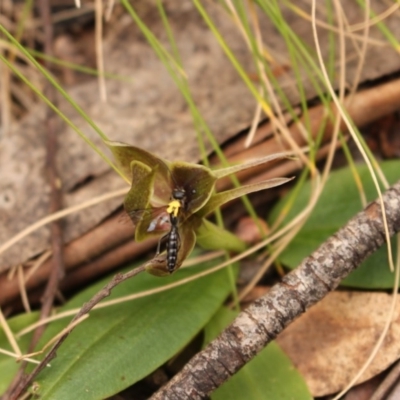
(173, 207)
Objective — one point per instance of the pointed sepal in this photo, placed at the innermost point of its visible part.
(218, 199)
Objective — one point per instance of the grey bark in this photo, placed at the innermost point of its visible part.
(260, 323)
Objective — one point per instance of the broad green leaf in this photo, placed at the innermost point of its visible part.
(269, 376)
(339, 202)
(212, 237)
(119, 345)
(8, 365)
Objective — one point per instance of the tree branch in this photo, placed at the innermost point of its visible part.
(256, 326)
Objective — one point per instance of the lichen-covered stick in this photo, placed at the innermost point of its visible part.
(260, 323)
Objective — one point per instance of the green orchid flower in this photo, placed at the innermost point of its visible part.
(172, 200)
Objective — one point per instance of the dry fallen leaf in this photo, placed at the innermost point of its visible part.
(332, 340)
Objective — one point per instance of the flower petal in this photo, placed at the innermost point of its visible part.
(137, 200)
(124, 154)
(158, 265)
(197, 181)
(141, 190)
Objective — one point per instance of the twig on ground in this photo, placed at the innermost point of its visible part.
(256, 326)
(99, 242)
